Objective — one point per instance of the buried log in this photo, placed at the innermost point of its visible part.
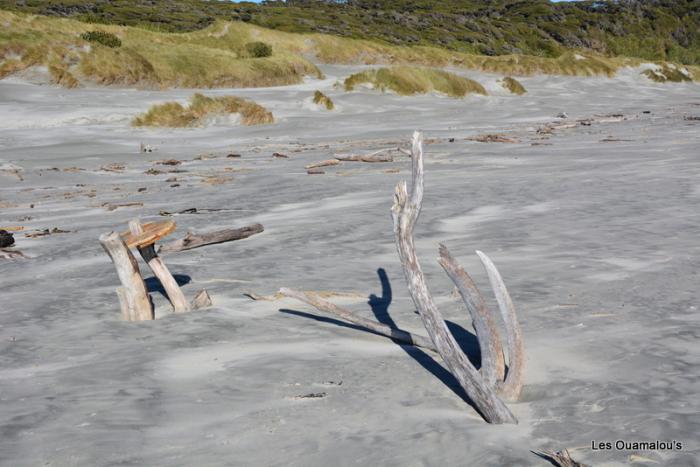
(133, 295)
(210, 238)
(482, 387)
(149, 255)
(374, 326)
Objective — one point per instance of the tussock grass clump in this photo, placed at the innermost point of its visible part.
(407, 80)
(513, 85)
(175, 115)
(258, 49)
(668, 73)
(322, 99)
(61, 76)
(101, 37)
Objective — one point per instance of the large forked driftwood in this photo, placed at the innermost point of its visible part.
(149, 255)
(405, 213)
(482, 387)
(133, 295)
(210, 238)
(374, 326)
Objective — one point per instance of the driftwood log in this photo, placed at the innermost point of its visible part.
(559, 458)
(149, 255)
(210, 238)
(483, 386)
(133, 295)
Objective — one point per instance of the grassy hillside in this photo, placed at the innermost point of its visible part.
(234, 54)
(648, 29)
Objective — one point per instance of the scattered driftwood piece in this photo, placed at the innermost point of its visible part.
(148, 253)
(115, 206)
(15, 228)
(47, 232)
(149, 233)
(6, 239)
(201, 300)
(315, 172)
(197, 211)
(169, 162)
(133, 295)
(320, 293)
(559, 458)
(326, 163)
(210, 238)
(12, 254)
(279, 155)
(233, 156)
(374, 326)
(493, 138)
(381, 157)
(115, 167)
(405, 213)
(12, 170)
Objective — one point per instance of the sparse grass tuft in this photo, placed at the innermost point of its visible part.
(513, 85)
(61, 76)
(667, 73)
(407, 80)
(322, 99)
(201, 108)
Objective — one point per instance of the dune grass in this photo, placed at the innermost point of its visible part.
(202, 108)
(322, 99)
(513, 85)
(667, 73)
(406, 80)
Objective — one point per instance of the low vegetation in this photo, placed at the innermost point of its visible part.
(662, 30)
(101, 37)
(322, 99)
(258, 49)
(202, 109)
(513, 85)
(667, 73)
(407, 80)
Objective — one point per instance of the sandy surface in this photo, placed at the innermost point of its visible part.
(594, 228)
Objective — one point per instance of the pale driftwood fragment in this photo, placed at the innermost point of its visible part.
(374, 326)
(559, 458)
(512, 386)
(381, 157)
(135, 295)
(149, 255)
(201, 300)
(405, 213)
(326, 163)
(492, 364)
(11, 254)
(210, 238)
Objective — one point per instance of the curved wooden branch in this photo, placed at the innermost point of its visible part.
(512, 386)
(405, 213)
(374, 326)
(492, 363)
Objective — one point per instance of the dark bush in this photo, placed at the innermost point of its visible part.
(258, 49)
(101, 37)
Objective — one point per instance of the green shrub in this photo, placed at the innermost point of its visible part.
(406, 80)
(667, 73)
(258, 49)
(101, 37)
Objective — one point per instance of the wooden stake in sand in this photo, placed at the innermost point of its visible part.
(133, 295)
(483, 386)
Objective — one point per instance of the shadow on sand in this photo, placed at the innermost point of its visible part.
(380, 307)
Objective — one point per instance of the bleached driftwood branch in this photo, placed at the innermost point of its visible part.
(210, 238)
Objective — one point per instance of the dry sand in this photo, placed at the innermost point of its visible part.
(594, 228)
